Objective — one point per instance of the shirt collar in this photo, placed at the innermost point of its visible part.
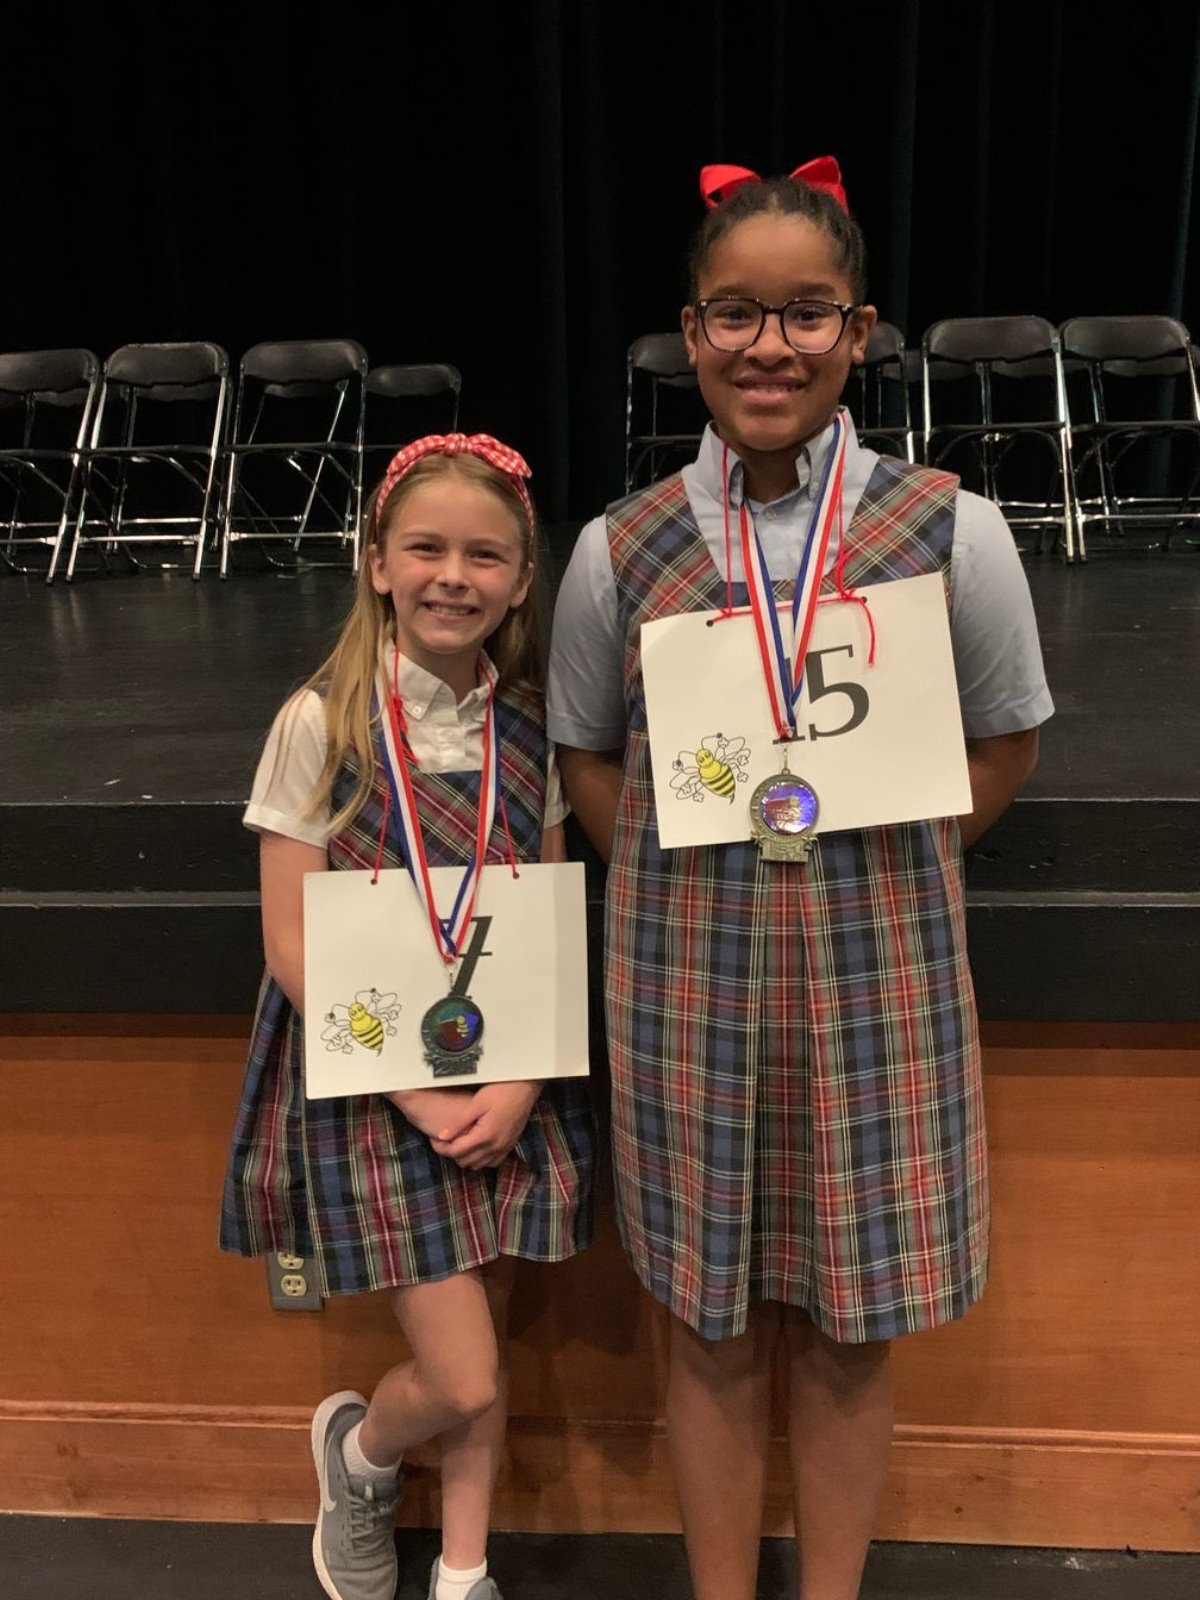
(421, 690)
(810, 463)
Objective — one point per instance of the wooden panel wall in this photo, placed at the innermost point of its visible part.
(143, 1373)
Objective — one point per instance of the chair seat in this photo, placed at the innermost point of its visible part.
(1134, 425)
(1049, 426)
(274, 446)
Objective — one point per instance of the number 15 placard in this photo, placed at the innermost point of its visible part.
(879, 743)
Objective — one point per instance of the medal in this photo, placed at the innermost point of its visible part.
(452, 1028)
(452, 1033)
(784, 808)
(783, 816)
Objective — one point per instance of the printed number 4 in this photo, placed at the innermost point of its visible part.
(818, 689)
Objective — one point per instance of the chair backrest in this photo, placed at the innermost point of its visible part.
(657, 369)
(660, 355)
(1016, 366)
(301, 389)
(877, 393)
(47, 397)
(1146, 355)
(405, 400)
(177, 370)
(58, 377)
(282, 362)
(140, 380)
(1126, 339)
(414, 380)
(970, 340)
(885, 345)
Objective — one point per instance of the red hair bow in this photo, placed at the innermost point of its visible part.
(501, 456)
(823, 173)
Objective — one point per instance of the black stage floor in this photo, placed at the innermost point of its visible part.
(43, 1558)
(134, 706)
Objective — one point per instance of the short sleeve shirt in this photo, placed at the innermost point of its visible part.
(445, 735)
(993, 631)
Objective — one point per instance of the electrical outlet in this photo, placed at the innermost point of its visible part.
(291, 1283)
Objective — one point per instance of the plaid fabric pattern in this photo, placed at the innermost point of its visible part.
(348, 1183)
(796, 1076)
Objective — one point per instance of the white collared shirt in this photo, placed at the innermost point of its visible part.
(445, 735)
(997, 658)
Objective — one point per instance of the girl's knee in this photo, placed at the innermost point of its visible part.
(469, 1394)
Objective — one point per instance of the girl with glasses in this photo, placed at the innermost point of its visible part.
(797, 1109)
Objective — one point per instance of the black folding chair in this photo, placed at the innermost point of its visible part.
(657, 374)
(295, 455)
(47, 399)
(151, 469)
(1133, 434)
(404, 402)
(1017, 396)
(880, 404)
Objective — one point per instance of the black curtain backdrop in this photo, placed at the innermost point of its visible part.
(511, 188)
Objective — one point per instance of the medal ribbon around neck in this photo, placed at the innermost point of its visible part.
(784, 678)
(449, 933)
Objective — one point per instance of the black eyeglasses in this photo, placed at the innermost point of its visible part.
(811, 327)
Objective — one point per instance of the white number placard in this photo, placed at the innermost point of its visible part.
(372, 975)
(879, 744)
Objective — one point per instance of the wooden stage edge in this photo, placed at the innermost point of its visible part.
(961, 1485)
(145, 1374)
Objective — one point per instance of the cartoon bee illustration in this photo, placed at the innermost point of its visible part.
(365, 1021)
(716, 767)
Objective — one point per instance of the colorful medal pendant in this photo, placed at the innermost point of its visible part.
(452, 1034)
(452, 1029)
(783, 816)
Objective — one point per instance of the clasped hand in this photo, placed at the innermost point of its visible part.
(475, 1128)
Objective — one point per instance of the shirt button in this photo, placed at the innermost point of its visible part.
(417, 711)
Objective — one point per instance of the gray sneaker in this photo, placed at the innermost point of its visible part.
(354, 1546)
(485, 1589)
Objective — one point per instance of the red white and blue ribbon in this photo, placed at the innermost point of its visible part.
(785, 678)
(449, 933)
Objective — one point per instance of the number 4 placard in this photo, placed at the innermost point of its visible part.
(879, 743)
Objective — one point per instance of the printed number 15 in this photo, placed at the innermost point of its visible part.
(818, 689)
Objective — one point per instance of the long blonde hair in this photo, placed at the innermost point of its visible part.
(346, 678)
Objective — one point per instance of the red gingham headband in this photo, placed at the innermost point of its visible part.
(501, 456)
(719, 182)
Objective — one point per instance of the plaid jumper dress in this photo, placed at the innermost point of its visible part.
(797, 1103)
(348, 1182)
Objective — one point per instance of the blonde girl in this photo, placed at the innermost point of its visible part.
(429, 1195)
